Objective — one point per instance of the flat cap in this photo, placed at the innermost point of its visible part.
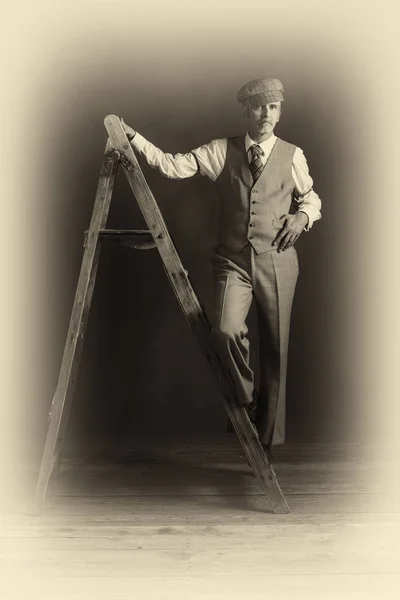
(261, 91)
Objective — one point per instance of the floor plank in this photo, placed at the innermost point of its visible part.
(174, 519)
(217, 587)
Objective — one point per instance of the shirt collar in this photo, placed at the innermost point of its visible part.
(266, 145)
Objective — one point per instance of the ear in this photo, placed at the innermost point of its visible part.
(245, 108)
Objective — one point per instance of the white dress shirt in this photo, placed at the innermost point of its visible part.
(209, 160)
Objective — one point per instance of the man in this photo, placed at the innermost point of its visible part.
(267, 200)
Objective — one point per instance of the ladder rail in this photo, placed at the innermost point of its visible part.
(62, 400)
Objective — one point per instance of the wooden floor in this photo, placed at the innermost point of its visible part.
(184, 520)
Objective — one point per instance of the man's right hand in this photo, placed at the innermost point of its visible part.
(128, 130)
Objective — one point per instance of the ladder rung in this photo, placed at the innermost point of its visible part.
(139, 239)
(128, 232)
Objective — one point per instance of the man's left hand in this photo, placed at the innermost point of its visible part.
(291, 230)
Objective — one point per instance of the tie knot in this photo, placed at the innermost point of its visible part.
(256, 150)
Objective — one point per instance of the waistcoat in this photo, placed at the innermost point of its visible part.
(253, 213)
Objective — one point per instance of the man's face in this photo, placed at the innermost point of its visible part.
(263, 118)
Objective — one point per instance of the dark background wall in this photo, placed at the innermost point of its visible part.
(141, 371)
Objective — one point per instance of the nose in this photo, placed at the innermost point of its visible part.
(264, 110)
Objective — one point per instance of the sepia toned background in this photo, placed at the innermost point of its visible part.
(175, 80)
(172, 71)
(173, 74)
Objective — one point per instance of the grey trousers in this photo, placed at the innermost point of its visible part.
(270, 278)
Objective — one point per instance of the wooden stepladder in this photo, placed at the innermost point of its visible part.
(119, 151)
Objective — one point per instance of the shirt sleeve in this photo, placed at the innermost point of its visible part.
(306, 199)
(207, 160)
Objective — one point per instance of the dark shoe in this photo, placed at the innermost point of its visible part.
(230, 428)
(268, 453)
(251, 411)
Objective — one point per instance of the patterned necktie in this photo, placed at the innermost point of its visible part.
(256, 165)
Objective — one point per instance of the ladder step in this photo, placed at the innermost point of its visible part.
(139, 239)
